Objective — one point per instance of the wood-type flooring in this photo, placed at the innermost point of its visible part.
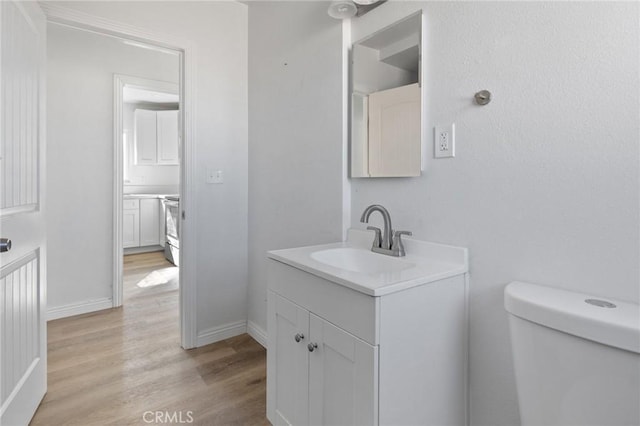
(125, 366)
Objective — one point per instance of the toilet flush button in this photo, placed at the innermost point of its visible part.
(600, 303)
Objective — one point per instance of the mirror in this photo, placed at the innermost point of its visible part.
(386, 101)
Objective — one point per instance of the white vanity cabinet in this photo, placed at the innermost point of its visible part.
(336, 355)
(324, 374)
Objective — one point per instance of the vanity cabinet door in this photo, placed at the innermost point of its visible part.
(287, 362)
(343, 377)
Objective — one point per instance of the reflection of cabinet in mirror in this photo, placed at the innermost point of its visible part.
(386, 102)
(394, 115)
(156, 137)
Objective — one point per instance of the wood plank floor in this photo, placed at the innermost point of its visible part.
(112, 366)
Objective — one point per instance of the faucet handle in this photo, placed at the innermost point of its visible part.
(397, 245)
(378, 237)
(399, 233)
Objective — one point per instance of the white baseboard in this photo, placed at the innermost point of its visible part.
(139, 250)
(79, 308)
(216, 334)
(257, 333)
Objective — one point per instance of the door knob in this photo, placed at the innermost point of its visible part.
(5, 245)
(312, 346)
(299, 337)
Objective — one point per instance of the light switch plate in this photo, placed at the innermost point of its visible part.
(444, 141)
(215, 176)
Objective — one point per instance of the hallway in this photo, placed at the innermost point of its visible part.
(113, 366)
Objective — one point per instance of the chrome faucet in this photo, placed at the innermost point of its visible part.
(386, 241)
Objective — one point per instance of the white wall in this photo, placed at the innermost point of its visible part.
(295, 134)
(218, 32)
(545, 184)
(80, 70)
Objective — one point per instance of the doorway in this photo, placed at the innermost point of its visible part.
(182, 164)
(147, 134)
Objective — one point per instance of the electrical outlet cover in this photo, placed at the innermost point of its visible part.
(444, 141)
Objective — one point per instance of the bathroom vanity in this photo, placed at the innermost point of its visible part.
(356, 337)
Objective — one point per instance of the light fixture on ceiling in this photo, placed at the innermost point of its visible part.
(342, 9)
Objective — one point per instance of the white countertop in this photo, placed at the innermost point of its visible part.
(160, 196)
(424, 263)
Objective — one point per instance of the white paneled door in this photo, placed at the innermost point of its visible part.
(23, 341)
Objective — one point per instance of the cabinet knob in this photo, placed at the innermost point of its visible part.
(312, 347)
(299, 337)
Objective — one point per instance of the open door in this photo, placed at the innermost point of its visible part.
(23, 332)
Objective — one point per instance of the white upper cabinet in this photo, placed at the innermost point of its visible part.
(145, 137)
(167, 125)
(156, 137)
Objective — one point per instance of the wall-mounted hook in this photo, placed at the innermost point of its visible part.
(483, 97)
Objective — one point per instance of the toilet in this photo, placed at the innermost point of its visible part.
(576, 357)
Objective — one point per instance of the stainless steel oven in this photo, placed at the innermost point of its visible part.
(172, 229)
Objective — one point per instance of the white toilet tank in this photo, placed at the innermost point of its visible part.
(576, 357)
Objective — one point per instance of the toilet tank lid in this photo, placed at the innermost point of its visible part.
(570, 312)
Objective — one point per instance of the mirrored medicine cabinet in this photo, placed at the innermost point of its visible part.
(386, 101)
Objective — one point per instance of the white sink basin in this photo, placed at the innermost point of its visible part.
(352, 264)
(360, 260)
